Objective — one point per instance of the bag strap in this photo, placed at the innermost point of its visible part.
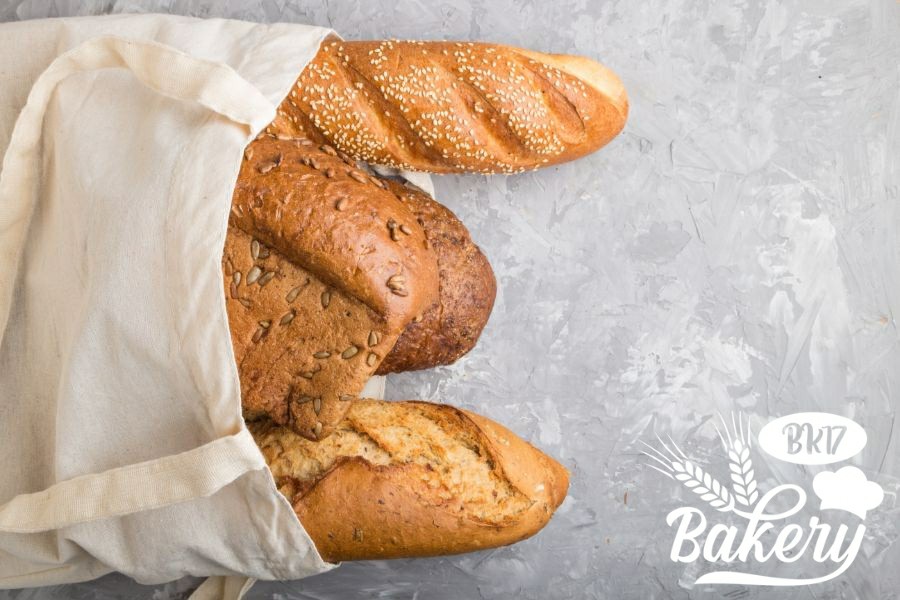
(142, 486)
(162, 68)
(156, 483)
(223, 587)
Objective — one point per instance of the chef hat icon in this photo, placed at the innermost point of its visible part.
(847, 489)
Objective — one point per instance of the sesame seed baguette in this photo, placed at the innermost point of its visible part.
(450, 107)
(410, 479)
(324, 268)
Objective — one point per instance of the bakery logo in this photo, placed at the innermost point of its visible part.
(765, 533)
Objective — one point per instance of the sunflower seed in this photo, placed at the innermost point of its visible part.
(340, 204)
(236, 278)
(357, 534)
(246, 303)
(418, 318)
(396, 281)
(326, 299)
(283, 136)
(267, 166)
(329, 172)
(400, 292)
(292, 295)
(358, 176)
(287, 318)
(317, 405)
(305, 142)
(318, 429)
(374, 338)
(234, 290)
(237, 211)
(266, 278)
(314, 163)
(346, 158)
(392, 227)
(307, 374)
(262, 331)
(303, 399)
(248, 153)
(322, 354)
(253, 274)
(347, 398)
(328, 149)
(405, 229)
(378, 182)
(254, 249)
(265, 324)
(349, 352)
(371, 358)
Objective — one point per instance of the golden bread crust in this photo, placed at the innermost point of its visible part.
(404, 479)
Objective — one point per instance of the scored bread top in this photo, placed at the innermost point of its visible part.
(458, 106)
(413, 479)
(324, 269)
(304, 350)
(333, 219)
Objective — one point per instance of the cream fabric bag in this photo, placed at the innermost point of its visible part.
(121, 437)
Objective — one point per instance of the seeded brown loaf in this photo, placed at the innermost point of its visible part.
(451, 327)
(324, 269)
(404, 479)
(450, 107)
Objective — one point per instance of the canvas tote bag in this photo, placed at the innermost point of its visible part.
(121, 437)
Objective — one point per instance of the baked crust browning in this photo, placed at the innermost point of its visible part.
(404, 479)
(451, 327)
(450, 107)
(319, 284)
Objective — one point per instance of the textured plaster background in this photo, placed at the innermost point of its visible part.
(736, 248)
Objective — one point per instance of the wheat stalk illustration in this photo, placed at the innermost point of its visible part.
(674, 464)
(736, 442)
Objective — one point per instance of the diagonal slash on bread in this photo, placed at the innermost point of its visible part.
(453, 107)
(399, 479)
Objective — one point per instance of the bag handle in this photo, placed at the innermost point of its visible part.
(142, 486)
(196, 473)
(162, 68)
(223, 587)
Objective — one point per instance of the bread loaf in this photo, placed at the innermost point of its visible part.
(451, 327)
(450, 107)
(324, 269)
(403, 479)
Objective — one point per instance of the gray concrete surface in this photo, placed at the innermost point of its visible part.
(735, 249)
